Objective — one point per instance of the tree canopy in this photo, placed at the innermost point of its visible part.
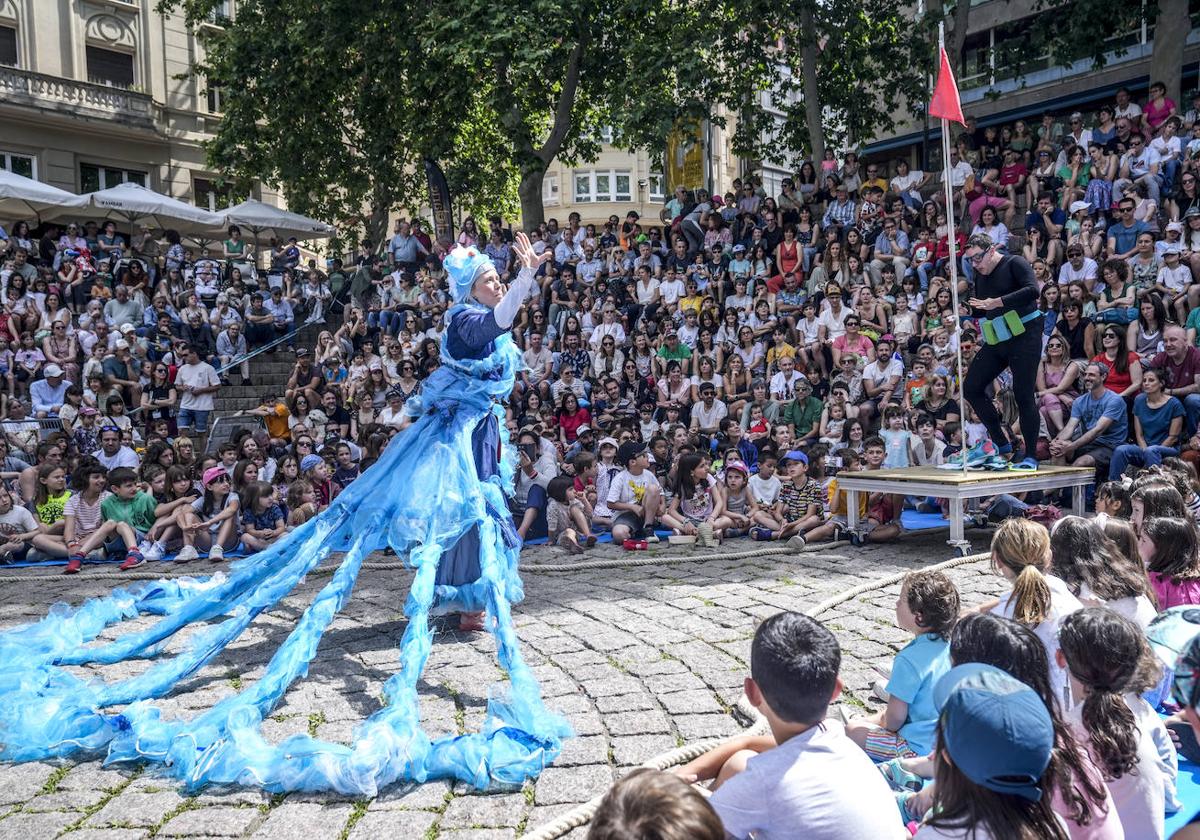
(338, 101)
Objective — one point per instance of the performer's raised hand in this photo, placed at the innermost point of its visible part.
(986, 304)
(525, 254)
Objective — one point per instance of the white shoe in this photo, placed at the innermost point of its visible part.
(186, 554)
(216, 554)
(796, 543)
(152, 551)
(650, 538)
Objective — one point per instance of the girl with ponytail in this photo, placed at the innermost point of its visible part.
(1106, 654)
(1039, 600)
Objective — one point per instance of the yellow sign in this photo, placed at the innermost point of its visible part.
(685, 157)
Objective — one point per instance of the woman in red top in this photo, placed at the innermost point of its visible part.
(788, 254)
(570, 418)
(1124, 366)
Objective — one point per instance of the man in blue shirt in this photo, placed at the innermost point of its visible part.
(1122, 236)
(1099, 419)
(405, 248)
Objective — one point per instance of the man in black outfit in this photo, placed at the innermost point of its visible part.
(1005, 283)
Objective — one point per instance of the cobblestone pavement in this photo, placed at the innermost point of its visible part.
(640, 659)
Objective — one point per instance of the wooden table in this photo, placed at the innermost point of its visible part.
(960, 487)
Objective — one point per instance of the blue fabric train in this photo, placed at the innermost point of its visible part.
(437, 497)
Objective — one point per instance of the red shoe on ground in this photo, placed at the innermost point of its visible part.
(74, 565)
(133, 559)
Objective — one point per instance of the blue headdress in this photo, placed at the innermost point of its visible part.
(464, 265)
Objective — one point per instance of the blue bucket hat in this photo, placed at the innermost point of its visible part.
(464, 265)
(996, 729)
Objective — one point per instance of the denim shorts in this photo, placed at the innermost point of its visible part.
(193, 419)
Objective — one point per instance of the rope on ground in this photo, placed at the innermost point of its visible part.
(633, 558)
(582, 814)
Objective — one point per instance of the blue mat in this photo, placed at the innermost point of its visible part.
(1187, 785)
(232, 554)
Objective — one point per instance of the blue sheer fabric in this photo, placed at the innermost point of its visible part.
(421, 497)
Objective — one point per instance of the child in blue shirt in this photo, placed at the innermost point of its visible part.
(898, 439)
(928, 608)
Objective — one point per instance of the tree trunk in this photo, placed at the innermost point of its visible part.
(376, 227)
(957, 36)
(1170, 33)
(530, 191)
(812, 96)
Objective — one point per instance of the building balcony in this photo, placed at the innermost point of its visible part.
(75, 99)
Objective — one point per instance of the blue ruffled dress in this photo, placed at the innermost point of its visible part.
(437, 496)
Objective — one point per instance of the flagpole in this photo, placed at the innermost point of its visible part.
(952, 240)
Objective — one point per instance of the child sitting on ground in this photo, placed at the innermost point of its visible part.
(175, 490)
(1168, 546)
(765, 484)
(883, 509)
(806, 778)
(799, 507)
(301, 502)
(1112, 501)
(586, 471)
(696, 499)
(130, 505)
(651, 803)
(838, 520)
(85, 529)
(996, 742)
(566, 520)
(1110, 665)
(1039, 600)
(212, 521)
(928, 608)
(1096, 570)
(740, 508)
(262, 518)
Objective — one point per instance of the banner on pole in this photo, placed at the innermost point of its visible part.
(439, 201)
(945, 103)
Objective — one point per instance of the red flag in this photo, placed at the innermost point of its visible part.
(945, 103)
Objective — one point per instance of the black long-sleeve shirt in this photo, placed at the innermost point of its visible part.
(1013, 282)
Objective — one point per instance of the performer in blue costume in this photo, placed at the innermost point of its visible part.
(437, 496)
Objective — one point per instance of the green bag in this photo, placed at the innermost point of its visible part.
(1015, 325)
(989, 332)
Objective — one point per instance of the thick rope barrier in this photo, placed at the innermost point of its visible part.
(633, 559)
(582, 814)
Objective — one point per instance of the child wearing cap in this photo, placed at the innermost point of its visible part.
(806, 778)
(995, 745)
(928, 608)
(1172, 282)
(798, 508)
(606, 469)
(314, 470)
(212, 521)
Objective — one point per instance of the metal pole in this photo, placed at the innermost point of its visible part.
(951, 236)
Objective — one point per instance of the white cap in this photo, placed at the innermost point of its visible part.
(122, 344)
(1076, 206)
(52, 370)
(127, 328)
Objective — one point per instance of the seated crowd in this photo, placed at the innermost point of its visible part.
(710, 374)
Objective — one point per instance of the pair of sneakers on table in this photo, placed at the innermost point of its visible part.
(985, 455)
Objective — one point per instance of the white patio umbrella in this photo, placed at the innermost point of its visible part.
(140, 205)
(260, 218)
(21, 197)
(263, 219)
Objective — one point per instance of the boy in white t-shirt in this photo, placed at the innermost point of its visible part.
(806, 778)
(634, 495)
(765, 485)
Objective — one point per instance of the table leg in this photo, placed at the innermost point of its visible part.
(852, 509)
(956, 521)
(1078, 500)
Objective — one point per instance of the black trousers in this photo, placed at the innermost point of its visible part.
(1020, 353)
